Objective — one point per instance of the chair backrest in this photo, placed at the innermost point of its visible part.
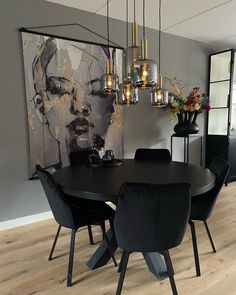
(151, 218)
(61, 210)
(81, 157)
(220, 168)
(152, 154)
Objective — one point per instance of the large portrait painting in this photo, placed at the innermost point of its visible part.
(67, 111)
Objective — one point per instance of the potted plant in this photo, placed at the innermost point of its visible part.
(186, 108)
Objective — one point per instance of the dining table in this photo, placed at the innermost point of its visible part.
(102, 182)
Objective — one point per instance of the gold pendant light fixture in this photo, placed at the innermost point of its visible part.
(128, 94)
(159, 95)
(144, 71)
(109, 81)
(133, 53)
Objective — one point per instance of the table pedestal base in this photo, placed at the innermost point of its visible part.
(102, 255)
(156, 265)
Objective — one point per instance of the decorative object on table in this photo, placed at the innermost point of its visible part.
(107, 160)
(109, 80)
(94, 159)
(108, 156)
(128, 94)
(66, 109)
(106, 164)
(144, 71)
(159, 95)
(186, 109)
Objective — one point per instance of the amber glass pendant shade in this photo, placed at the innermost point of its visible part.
(128, 94)
(159, 95)
(109, 81)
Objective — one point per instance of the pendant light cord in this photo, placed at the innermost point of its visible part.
(127, 24)
(134, 10)
(108, 29)
(144, 33)
(159, 35)
(127, 38)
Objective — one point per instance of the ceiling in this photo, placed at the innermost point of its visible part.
(209, 21)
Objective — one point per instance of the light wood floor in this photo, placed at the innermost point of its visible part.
(24, 268)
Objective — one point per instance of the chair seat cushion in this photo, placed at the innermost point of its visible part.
(93, 212)
(201, 207)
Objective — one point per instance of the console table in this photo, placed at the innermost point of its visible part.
(186, 142)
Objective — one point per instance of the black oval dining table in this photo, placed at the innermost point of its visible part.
(103, 183)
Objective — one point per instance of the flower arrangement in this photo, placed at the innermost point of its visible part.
(178, 103)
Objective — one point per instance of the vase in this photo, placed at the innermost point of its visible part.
(187, 123)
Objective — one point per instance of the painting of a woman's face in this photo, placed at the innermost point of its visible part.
(66, 99)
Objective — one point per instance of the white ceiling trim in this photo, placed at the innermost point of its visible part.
(196, 15)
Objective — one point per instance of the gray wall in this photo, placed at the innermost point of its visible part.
(144, 126)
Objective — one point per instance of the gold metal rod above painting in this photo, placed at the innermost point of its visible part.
(32, 31)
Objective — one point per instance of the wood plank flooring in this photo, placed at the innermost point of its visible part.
(25, 270)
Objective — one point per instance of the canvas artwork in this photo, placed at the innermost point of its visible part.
(66, 109)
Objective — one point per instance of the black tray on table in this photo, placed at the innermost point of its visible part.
(102, 163)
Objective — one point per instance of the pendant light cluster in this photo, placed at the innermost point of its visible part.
(140, 72)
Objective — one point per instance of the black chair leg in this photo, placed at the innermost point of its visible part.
(90, 233)
(112, 226)
(123, 271)
(108, 244)
(167, 253)
(209, 236)
(170, 272)
(54, 243)
(121, 262)
(195, 249)
(71, 258)
(103, 228)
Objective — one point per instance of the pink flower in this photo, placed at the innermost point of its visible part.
(197, 107)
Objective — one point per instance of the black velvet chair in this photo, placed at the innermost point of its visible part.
(73, 215)
(81, 158)
(202, 205)
(151, 218)
(152, 155)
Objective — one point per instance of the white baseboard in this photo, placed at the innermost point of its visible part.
(25, 220)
